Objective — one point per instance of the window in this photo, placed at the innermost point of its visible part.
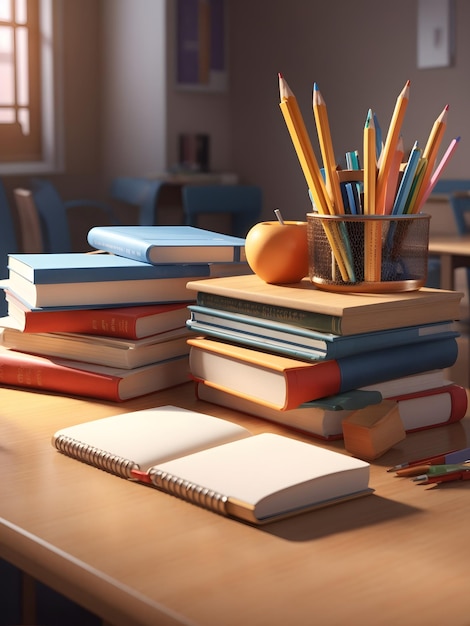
(28, 107)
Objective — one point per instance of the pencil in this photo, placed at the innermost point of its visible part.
(373, 229)
(451, 456)
(326, 147)
(390, 145)
(392, 181)
(303, 147)
(430, 153)
(370, 165)
(440, 168)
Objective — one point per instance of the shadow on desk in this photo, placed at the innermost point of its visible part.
(340, 518)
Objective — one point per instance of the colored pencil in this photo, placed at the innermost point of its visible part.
(391, 141)
(439, 169)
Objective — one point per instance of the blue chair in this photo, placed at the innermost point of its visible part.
(8, 242)
(53, 211)
(140, 192)
(458, 192)
(243, 202)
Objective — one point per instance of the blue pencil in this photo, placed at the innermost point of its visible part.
(407, 181)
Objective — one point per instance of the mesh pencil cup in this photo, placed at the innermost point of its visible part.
(373, 253)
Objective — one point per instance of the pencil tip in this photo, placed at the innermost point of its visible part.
(279, 75)
(315, 87)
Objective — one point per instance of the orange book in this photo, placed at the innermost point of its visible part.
(272, 380)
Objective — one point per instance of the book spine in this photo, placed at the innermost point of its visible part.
(91, 322)
(285, 315)
(27, 371)
(361, 370)
(117, 244)
(94, 456)
(303, 384)
(191, 492)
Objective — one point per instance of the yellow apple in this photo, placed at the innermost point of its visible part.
(278, 253)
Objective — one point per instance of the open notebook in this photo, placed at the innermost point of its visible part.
(215, 463)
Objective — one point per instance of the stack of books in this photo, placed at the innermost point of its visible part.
(109, 326)
(306, 358)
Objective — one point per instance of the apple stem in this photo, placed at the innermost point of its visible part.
(279, 216)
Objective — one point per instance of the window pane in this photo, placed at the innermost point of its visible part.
(20, 11)
(5, 10)
(22, 75)
(7, 116)
(7, 85)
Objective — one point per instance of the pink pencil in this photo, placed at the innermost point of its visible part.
(440, 168)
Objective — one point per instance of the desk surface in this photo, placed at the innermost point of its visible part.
(134, 555)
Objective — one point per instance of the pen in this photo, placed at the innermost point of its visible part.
(444, 478)
(452, 456)
(441, 470)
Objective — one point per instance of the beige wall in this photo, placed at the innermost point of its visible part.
(123, 112)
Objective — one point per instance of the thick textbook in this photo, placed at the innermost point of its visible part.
(427, 408)
(20, 369)
(285, 383)
(304, 343)
(215, 463)
(302, 304)
(167, 244)
(82, 267)
(111, 351)
(132, 322)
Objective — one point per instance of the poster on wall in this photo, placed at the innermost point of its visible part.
(201, 59)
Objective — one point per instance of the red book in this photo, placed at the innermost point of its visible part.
(24, 370)
(132, 322)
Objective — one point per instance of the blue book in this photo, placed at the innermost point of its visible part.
(79, 267)
(167, 244)
(304, 343)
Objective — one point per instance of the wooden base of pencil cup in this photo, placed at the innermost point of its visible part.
(370, 432)
(373, 253)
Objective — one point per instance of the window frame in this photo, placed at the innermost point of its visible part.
(50, 19)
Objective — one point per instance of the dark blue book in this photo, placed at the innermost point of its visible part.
(304, 343)
(168, 244)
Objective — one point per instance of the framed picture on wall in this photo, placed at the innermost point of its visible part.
(201, 45)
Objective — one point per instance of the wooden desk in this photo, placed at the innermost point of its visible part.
(136, 556)
(454, 252)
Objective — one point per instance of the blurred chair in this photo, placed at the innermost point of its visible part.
(53, 217)
(457, 191)
(243, 202)
(8, 241)
(140, 192)
(28, 218)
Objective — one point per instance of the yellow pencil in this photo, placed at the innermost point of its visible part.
(370, 165)
(373, 228)
(303, 147)
(430, 154)
(326, 147)
(390, 145)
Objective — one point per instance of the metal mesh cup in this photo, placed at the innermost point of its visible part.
(373, 253)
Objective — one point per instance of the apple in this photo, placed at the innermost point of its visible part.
(278, 252)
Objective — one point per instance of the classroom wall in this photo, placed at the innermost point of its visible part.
(360, 53)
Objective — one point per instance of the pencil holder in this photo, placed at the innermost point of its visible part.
(373, 253)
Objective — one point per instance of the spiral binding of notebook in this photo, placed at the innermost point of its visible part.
(189, 491)
(96, 457)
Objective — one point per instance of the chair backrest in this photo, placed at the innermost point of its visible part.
(52, 216)
(8, 241)
(30, 225)
(141, 192)
(460, 203)
(243, 202)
